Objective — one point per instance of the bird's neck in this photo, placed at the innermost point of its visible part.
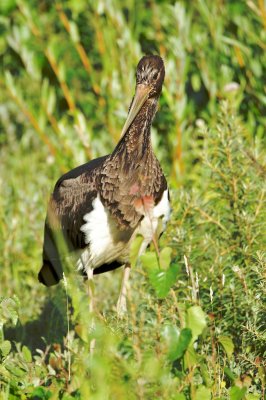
(135, 145)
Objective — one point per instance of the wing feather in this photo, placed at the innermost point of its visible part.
(71, 199)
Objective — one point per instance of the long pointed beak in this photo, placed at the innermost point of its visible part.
(141, 95)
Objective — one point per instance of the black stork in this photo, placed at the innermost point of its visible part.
(101, 206)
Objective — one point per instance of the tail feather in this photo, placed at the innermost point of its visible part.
(47, 274)
(51, 271)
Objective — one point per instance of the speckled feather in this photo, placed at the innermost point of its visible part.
(132, 164)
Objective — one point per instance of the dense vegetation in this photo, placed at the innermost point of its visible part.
(196, 322)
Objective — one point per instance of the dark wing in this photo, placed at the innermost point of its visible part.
(72, 198)
(121, 185)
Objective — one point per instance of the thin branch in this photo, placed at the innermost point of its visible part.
(261, 168)
(210, 219)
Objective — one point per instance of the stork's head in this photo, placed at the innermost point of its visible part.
(150, 73)
(149, 81)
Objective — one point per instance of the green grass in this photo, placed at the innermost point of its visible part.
(196, 322)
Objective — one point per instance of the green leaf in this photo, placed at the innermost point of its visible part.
(180, 396)
(4, 373)
(196, 82)
(237, 393)
(26, 354)
(162, 281)
(177, 341)
(18, 372)
(202, 393)
(42, 393)
(134, 250)
(165, 257)
(10, 83)
(62, 71)
(171, 334)
(227, 344)
(183, 342)
(196, 321)
(190, 358)
(6, 6)
(74, 33)
(149, 260)
(252, 396)
(5, 348)
(229, 373)
(261, 373)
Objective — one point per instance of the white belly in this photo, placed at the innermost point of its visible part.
(107, 244)
(149, 225)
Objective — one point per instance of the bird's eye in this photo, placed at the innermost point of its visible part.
(155, 76)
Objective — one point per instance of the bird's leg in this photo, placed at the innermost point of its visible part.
(90, 289)
(91, 304)
(121, 306)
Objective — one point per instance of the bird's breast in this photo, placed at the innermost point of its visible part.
(149, 225)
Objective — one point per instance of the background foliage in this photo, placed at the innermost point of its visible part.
(196, 323)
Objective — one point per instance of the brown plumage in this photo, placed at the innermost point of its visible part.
(127, 185)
